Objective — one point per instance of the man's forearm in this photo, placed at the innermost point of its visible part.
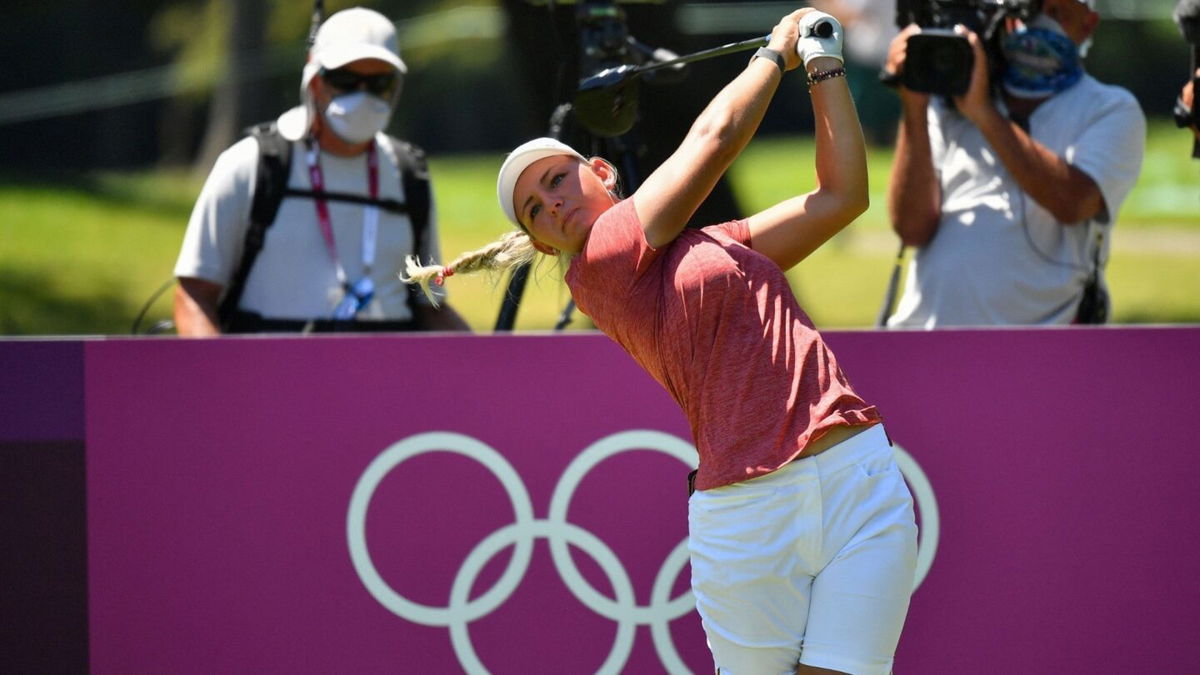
(195, 310)
(1063, 190)
(913, 193)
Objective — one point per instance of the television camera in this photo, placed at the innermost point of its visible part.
(939, 60)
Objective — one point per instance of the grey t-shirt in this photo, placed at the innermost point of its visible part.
(998, 257)
(294, 276)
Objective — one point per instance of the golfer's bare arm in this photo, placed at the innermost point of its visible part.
(672, 193)
(791, 230)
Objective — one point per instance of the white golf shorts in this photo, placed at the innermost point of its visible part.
(811, 564)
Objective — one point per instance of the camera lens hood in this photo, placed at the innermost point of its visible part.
(939, 61)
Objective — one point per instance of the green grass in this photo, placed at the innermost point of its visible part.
(82, 257)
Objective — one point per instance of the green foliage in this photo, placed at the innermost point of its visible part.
(83, 257)
(197, 33)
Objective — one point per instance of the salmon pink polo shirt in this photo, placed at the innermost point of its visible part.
(716, 324)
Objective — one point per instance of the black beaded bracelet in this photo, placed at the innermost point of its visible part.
(772, 56)
(817, 78)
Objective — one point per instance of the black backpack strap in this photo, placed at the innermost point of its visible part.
(270, 185)
(414, 173)
(270, 188)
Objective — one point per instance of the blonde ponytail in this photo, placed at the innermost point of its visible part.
(514, 248)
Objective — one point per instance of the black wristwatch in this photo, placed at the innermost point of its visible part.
(772, 56)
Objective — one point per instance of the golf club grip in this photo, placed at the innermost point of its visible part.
(823, 29)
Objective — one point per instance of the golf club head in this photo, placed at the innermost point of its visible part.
(607, 102)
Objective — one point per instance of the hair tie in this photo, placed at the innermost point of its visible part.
(446, 271)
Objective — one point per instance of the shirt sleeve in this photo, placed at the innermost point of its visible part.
(216, 231)
(1110, 151)
(736, 230)
(615, 255)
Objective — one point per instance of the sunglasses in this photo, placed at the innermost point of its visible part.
(342, 79)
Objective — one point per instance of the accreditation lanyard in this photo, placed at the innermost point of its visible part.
(370, 212)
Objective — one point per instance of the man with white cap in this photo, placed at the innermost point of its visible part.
(305, 224)
(1010, 199)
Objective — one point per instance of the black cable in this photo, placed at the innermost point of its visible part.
(159, 326)
(889, 295)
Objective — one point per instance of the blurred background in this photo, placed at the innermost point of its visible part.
(111, 115)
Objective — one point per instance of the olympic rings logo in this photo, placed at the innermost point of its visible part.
(623, 610)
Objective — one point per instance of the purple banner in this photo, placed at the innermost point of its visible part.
(41, 391)
(222, 480)
(517, 504)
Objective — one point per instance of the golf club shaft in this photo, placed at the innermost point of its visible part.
(822, 29)
(730, 48)
(612, 76)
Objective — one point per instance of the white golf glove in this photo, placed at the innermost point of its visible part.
(811, 44)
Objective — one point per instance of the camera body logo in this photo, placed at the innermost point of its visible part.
(559, 533)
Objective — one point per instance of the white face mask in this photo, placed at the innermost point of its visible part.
(358, 116)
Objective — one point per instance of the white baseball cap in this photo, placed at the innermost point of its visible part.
(518, 160)
(353, 34)
(349, 35)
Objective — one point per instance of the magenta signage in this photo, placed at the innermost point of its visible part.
(518, 504)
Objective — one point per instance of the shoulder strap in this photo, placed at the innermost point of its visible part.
(414, 173)
(270, 187)
(270, 184)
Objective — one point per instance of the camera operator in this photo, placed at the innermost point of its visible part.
(1009, 199)
(327, 258)
(1187, 17)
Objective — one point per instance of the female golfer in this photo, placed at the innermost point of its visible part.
(801, 529)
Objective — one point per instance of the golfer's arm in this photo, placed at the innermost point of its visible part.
(672, 193)
(791, 230)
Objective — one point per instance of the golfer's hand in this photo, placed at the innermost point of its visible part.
(785, 35)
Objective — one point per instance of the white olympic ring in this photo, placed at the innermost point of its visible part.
(930, 528)
(461, 611)
(521, 534)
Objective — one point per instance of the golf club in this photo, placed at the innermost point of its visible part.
(606, 102)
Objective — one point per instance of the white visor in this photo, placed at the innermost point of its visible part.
(518, 160)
